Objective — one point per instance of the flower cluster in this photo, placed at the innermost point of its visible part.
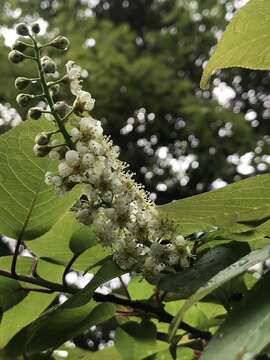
(118, 209)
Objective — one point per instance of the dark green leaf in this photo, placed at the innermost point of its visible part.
(186, 282)
(82, 239)
(10, 293)
(136, 341)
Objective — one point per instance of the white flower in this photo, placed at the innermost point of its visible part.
(88, 160)
(96, 147)
(85, 99)
(179, 242)
(64, 170)
(48, 178)
(75, 134)
(72, 158)
(57, 181)
(54, 155)
(74, 73)
(113, 203)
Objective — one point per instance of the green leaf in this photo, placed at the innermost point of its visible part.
(245, 43)
(136, 341)
(202, 315)
(246, 331)
(11, 293)
(44, 269)
(22, 314)
(230, 207)
(62, 239)
(28, 206)
(82, 239)
(140, 289)
(221, 278)
(67, 320)
(186, 282)
(23, 267)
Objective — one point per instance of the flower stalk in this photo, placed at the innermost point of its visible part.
(117, 209)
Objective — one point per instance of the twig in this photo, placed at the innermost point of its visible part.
(124, 286)
(68, 268)
(159, 313)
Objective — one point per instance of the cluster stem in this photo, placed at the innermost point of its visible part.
(49, 99)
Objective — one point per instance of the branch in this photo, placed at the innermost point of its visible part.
(159, 313)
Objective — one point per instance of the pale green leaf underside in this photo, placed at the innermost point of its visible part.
(28, 207)
(245, 43)
(221, 278)
(230, 207)
(57, 240)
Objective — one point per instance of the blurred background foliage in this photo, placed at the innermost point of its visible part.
(142, 62)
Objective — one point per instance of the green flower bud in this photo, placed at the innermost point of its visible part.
(24, 99)
(35, 28)
(19, 45)
(22, 29)
(48, 65)
(85, 217)
(35, 113)
(61, 108)
(16, 56)
(42, 138)
(22, 83)
(54, 89)
(60, 42)
(41, 151)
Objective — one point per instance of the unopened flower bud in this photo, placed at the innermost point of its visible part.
(64, 170)
(42, 138)
(35, 28)
(54, 89)
(60, 42)
(22, 83)
(61, 108)
(19, 46)
(35, 113)
(24, 99)
(41, 151)
(22, 29)
(179, 242)
(72, 158)
(84, 217)
(16, 56)
(48, 65)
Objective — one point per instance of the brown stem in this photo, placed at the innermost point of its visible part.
(124, 286)
(159, 313)
(68, 268)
